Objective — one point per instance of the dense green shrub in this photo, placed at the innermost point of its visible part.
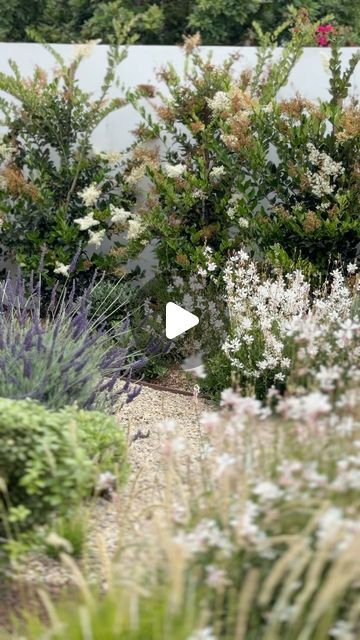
(55, 191)
(49, 461)
(164, 21)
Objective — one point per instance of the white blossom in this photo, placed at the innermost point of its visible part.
(96, 237)
(62, 269)
(217, 172)
(174, 170)
(220, 102)
(87, 222)
(90, 195)
(119, 215)
(134, 229)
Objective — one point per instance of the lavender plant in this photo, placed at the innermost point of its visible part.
(58, 353)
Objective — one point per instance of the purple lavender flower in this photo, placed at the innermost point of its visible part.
(58, 354)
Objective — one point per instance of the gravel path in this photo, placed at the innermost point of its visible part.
(126, 523)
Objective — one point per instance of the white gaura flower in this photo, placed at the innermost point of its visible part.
(134, 230)
(62, 269)
(267, 491)
(118, 215)
(87, 222)
(90, 195)
(174, 170)
(96, 237)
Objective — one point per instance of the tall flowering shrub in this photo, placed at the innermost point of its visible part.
(56, 191)
(305, 174)
(188, 156)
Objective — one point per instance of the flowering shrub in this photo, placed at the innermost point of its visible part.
(307, 175)
(49, 462)
(322, 34)
(195, 179)
(57, 353)
(281, 331)
(221, 22)
(55, 190)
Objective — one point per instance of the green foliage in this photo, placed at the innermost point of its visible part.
(115, 298)
(54, 190)
(225, 22)
(49, 461)
(68, 534)
(218, 375)
(109, 619)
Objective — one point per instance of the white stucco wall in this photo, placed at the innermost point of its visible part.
(308, 77)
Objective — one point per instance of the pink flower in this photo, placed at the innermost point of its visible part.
(322, 34)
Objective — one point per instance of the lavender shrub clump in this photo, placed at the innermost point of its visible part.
(58, 353)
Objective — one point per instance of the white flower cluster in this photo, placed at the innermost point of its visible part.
(118, 215)
(174, 170)
(322, 180)
(258, 306)
(217, 173)
(210, 265)
(62, 269)
(90, 195)
(220, 102)
(6, 152)
(86, 223)
(135, 228)
(232, 211)
(275, 318)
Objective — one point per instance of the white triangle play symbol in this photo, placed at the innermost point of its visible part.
(178, 320)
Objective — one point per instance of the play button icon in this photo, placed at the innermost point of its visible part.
(178, 320)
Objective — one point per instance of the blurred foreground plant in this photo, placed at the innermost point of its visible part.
(257, 536)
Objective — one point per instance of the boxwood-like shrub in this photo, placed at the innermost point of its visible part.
(50, 461)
